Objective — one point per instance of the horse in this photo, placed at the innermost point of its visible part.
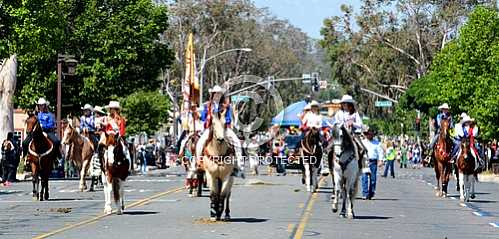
(218, 162)
(346, 168)
(442, 156)
(81, 151)
(114, 166)
(466, 166)
(311, 154)
(194, 168)
(41, 156)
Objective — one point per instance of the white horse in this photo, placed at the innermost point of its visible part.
(346, 171)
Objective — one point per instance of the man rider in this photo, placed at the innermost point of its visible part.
(48, 123)
(87, 123)
(216, 104)
(444, 114)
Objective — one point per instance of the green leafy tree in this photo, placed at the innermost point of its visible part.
(465, 74)
(145, 111)
(115, 42)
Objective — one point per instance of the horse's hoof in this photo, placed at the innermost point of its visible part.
(351, 216)
(444, 195)
(119, 211)
(108, 211)
(227, 218)
(343, 215)
(335, 210)
(461, 199)
(472, 196)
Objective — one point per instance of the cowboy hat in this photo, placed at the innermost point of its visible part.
(307, 107)
(42, 101)
(444, 106)
(314, 103)
(99, 109)
(466, 118)
(87, 107)
(216, 89)
(347, 99)
(113, 105)
(463, 115)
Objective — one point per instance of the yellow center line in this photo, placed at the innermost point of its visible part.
(100, 216)
(306, 215)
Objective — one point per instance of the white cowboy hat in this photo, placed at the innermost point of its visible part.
(314, 103)
(467, 119)
(99, 109)
(463, 115)
(216, 89)
(444, 106)
(42, 101)
(87, 107)
(347, 99)
(113, 105)
(307, 107)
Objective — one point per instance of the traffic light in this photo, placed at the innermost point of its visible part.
(315, 81)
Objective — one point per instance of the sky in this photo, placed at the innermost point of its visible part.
(306, 14)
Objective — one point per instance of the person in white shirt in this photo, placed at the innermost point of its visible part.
(374, 153)
(312, 119)
(350, 118)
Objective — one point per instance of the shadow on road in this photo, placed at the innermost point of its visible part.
(482, 201)
(372, 217)
(248, 220)
(67, 199)
(138, 213)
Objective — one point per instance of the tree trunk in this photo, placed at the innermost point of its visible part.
(8, 71)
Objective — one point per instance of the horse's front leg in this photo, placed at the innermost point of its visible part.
(107, 194)
(472, 182)
(35, 186)
(83, 172)
(351, 197)
(345, 198)
(461, 186)
(307, 177)
(119, 201)
(227, 208)
(45, 185)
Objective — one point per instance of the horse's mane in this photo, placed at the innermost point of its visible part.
(347, 141)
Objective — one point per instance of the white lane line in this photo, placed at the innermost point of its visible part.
(494, 224)
(478, 214)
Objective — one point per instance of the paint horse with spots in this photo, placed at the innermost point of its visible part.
(41, 156)
(442, 155)
(218, 158)
(346, 164)
(311, 157)
(80, 152)
(114, 166)
(467, 169)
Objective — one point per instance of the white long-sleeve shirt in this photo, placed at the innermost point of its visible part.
(312, 120)
(342, 117)
(374, 150)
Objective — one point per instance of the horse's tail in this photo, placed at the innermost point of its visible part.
(116, 189)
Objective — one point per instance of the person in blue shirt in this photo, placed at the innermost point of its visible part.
(374, 154)
(444, 114)
(48, 123)
(87, 124)
(219, 103)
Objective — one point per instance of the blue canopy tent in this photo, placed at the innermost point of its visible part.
(289, 116)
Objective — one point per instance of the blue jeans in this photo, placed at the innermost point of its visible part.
(389, 165)
(369, 180)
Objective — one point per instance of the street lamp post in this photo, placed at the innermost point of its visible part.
(203, 64)
(70, 63)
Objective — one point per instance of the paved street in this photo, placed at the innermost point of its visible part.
(262, 207)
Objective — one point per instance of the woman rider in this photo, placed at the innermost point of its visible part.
(350, 118)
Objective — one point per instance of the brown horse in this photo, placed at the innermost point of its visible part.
(442, 156)
(218, 161)
(41, 155)
(81, 151)
(193, 167)
(114, 167)
(466, 166)
(311, 152)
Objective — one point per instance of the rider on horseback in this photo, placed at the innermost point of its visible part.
(312, 119)
(195, 127)
(218, 104)
(467, 129)
(444, 114)
(350, 118)
(116, 125)
(87, 124)
(48, 124)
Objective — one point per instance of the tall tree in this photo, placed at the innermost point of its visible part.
(115, 42)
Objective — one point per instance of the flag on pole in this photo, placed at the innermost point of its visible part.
(190, 86)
